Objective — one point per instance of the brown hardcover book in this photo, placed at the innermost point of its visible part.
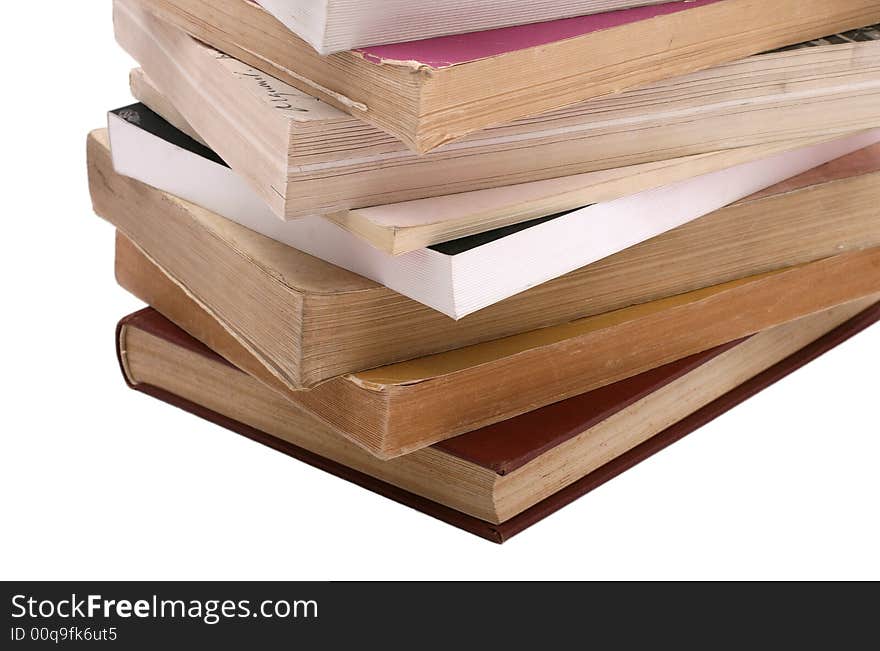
(396, 409)
(497, 481)
(304, 157)
(308, 321)
(429, 93)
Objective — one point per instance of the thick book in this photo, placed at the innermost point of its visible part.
(311, 321)
(411, 225)
(336, 25)
(304, 157)
(431, 92)
(396, 409)
(464, 275)
(497, 481)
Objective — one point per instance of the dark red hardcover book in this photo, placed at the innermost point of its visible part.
(506, 446)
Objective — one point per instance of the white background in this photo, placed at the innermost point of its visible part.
(99, 482)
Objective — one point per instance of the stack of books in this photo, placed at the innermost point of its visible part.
(482, 256)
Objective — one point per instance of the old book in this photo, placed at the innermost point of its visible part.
(497, 481)
(431, 92)
(412, 225)
(408, 226)
(310, 321)
(461, 276)
(396, 409)
(417, 224)
(305, 157)
(336, 25)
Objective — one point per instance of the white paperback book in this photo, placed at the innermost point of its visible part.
(465, 275)
(336, 25)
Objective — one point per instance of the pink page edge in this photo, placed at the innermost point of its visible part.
(445, 51)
